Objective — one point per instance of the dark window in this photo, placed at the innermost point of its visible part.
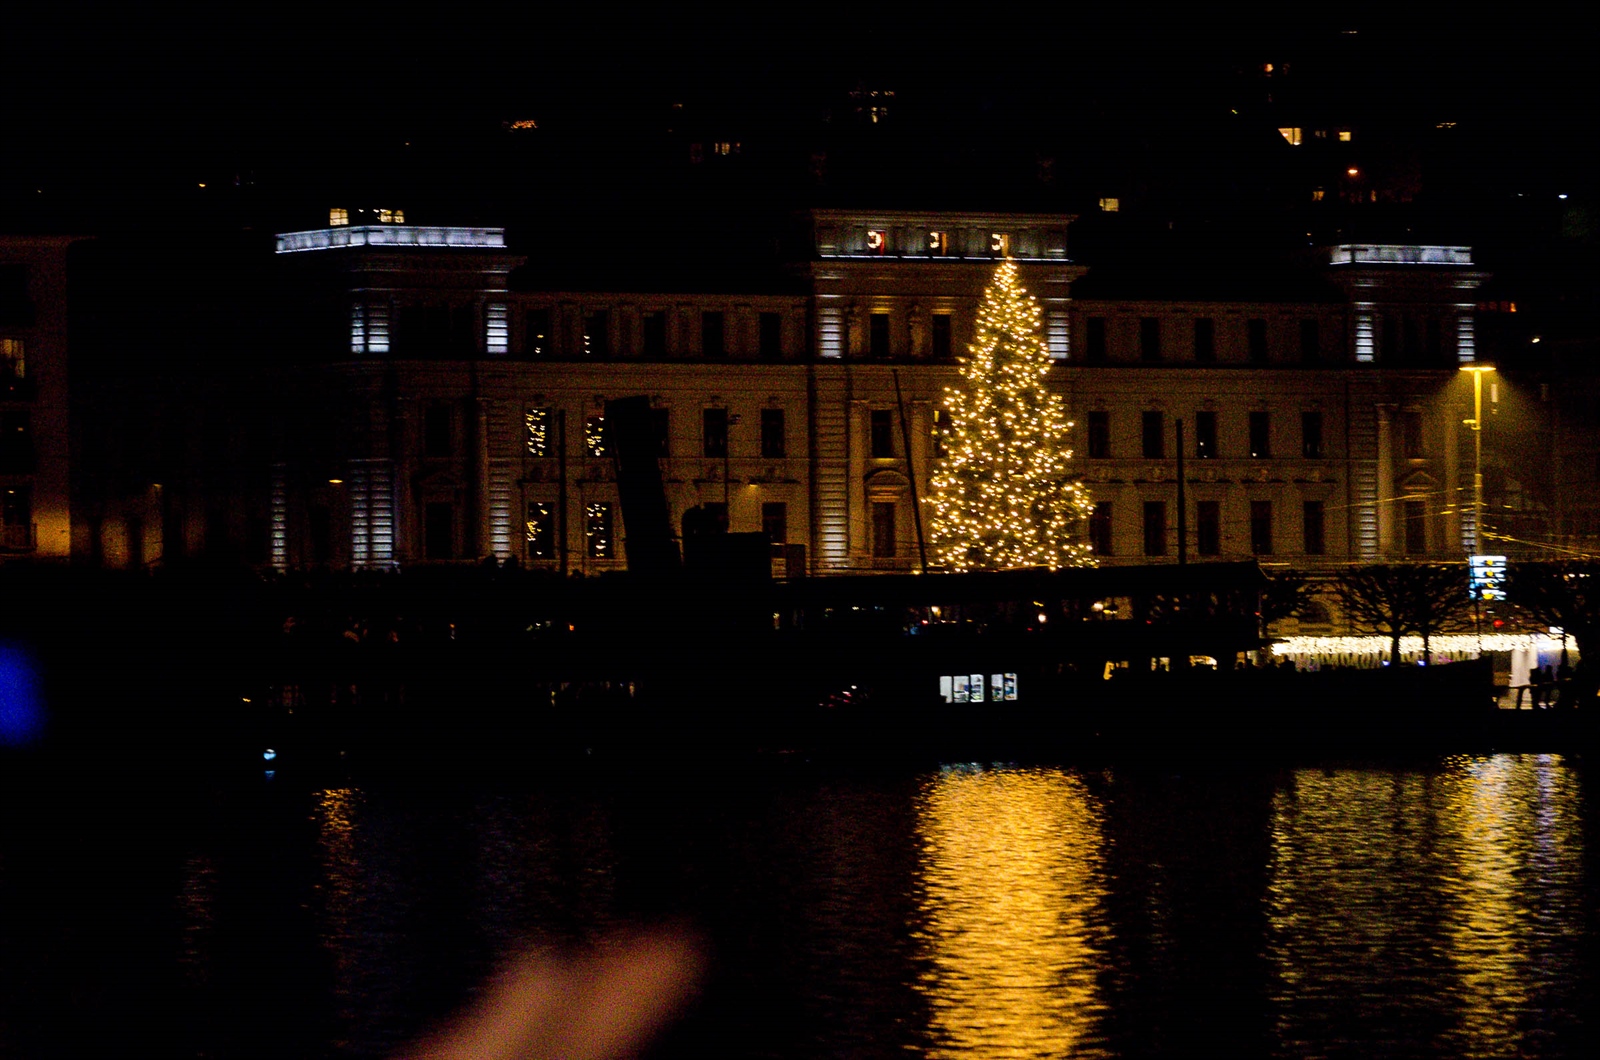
(1208, 528)
(655, 334)
(882, 433)
(1389, 345)
(15, 309)
(883, 536)
(716, 516)
(711, 327)
(771, 336)
(661, 428)
(1256, 340)
(538, 342)
(438, 431)
(16, 443)
(597, 334)
(1260, 435)
(1411, 441)
(1100, 529)
(439, 530)
(1150, 338)
(774, 445)
(1435, 341)
(1261, 527)
(1413, 341)
(1310, 341)
(1416, 513)
(319, 526)
(541, 530)
(941, 335)
(1152, 435)
(775, 521)
(1155, 528)
(941, 424)
(1312, 521)
(1311, 435)
(598, 541)
(1095, 346)
(1205, 435)
(714, 432)
(1205, 340)
(878, 334)
(1099, 435)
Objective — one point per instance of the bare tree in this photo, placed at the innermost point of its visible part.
(1560, 594)
(1402, 599)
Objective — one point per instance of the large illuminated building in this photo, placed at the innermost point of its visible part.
(454, 411)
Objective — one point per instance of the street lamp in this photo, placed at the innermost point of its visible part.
(1477, 371)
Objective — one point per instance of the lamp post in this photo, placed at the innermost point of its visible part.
(1477, 371)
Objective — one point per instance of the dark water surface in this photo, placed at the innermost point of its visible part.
(1440, 910)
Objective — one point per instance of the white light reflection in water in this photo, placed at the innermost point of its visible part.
(1012, 895)
(1427, 913)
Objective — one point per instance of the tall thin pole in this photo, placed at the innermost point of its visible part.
(561, 505)
(1183, 507)
(1477, 461)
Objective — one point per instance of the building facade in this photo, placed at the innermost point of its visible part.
(453, 414)
(35, 500)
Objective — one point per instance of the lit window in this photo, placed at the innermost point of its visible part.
(338, 216)
(877, 240)
(1110, 205)
(496, 327)
(369, 327)
(1000, 243)
(938, 242)
(594, 436)
(537, 425)
(1293, 135)
(13, 363)
(541, 530)
(1317, 194)
(597, 531)
(1345, 136)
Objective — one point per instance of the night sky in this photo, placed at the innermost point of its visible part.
(116, 111)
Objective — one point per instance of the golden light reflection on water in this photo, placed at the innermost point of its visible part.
(334, 812)
(1443, 907)
(1012, 896)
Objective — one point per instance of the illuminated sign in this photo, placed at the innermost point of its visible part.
(1000, 243)
(977, 688)
(877, 240)
(938, 242)
(1486, 577)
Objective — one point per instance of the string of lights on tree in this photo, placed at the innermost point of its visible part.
(1003, 493)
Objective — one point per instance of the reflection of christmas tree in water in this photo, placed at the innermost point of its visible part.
(1003, 497)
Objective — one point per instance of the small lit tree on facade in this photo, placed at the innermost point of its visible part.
(1003, 496)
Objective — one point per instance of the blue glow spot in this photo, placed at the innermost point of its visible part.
(21, 705)
(268, 755)
(270, 773)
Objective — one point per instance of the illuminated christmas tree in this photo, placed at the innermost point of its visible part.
(1003, 495)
